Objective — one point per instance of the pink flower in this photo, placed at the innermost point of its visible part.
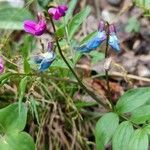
(58, 11)
(35, 28)
(1, 66)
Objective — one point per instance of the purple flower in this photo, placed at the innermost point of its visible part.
(1, 66)
(58, 12)
(113, 40)
(35, 28)
(44, 60)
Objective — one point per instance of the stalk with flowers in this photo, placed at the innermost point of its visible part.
(123, 125)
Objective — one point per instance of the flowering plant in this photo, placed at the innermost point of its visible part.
(52, 91)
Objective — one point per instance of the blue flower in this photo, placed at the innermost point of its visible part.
(44, 60)
(113, 40)
(95, 41)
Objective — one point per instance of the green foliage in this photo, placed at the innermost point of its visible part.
(96, 56)
(105, 128)
(77, 20)
(71, 7)
(88, 37)
(12, 18)
(141, 114)
(11, 126)
(143, 4)
(122, 136)
(4, 77)
(22, 88)
(132, 99)
(10, 120)
(44, 3)
(133, 25)
(139, 140)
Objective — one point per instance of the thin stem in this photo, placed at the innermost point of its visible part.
(106, 71)
(73, 72)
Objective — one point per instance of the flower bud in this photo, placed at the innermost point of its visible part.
(113, 40)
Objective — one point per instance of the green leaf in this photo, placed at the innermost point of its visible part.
(77, 20)
(33, 105)
(105, 128)
(10, 120)
(27, 45)
(44, 3)
(147, 129)
(133, 25)
(22, 88)
(70, 10)
(139, 140)
(96, 56)
(26, 65)
(17, 141)
(59, 63)
(132, 99)
(144, 4)
(4, 76)
(88, 37)
(122, 136)
(12, 18)
(81, 104)
(141, 114)
(60, 31)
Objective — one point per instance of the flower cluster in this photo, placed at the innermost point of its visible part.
(96, 41)
(44, 60)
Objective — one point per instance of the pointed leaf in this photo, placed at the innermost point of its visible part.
(132, 99)
(22, 88)
(70, 10)
(12, 18)
(122, 136)
(105, 129)
(77, 20)
(17, 141)
(141, 114)
(139, 140)
(10, 120)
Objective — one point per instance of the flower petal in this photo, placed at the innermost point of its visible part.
(29, 26)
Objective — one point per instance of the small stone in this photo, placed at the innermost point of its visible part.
(114, 2)
(143, 71)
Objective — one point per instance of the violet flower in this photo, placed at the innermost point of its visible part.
(58, 12)
(1, 66)
(44, 60)
(35, 28)
(95, 41)
(113, 40)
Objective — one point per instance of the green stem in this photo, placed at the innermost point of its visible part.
(106, 71)
(73, 72)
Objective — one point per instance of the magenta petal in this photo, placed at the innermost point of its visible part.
(52, 11)
(40, 27)
(29, 26)
(63, 7)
